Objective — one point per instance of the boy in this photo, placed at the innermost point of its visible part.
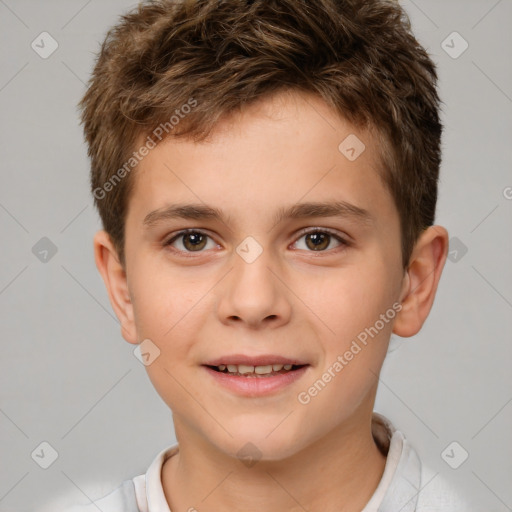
(266, 174)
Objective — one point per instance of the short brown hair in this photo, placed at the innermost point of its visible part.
(215, 56)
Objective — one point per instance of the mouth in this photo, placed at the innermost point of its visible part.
(255, 376)
(260, 371)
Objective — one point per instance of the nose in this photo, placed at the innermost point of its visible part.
(254, 294)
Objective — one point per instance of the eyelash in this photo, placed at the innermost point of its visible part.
(343, 242)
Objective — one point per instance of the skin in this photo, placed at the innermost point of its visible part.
(293, 300)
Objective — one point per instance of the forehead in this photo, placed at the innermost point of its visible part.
(284, 149)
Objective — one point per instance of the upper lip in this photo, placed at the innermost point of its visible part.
(262, 360)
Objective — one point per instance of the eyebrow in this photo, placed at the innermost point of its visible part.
(340, 209)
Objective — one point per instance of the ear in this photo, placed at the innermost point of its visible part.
(114, 277)
(421, 279)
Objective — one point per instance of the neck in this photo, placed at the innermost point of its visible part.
(339, 472)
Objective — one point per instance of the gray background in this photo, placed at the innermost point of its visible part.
(67, 377)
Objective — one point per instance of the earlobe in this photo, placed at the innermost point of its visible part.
(421, 279)
(114, 277)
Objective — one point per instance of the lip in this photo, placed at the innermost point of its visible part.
(256, 386)
(261, 360)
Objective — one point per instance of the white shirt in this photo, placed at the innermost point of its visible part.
(405, 486)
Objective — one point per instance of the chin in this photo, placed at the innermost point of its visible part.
(259, 442)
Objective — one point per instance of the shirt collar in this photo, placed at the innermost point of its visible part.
(399, 485)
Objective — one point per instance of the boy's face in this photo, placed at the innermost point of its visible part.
(292, 301)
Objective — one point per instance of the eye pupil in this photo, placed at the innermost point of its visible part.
(318, 239)
(196, 239)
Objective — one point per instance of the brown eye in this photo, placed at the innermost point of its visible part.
(189, 241)
(194, 241)
(319, 240)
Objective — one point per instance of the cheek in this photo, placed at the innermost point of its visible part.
(167, 310)
(166, 299)
(170, 310)
(348, 299)
(349, 308)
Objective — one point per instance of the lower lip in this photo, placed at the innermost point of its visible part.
(256, 386)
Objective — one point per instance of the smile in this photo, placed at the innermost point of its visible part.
(255, 381)
(256, 371)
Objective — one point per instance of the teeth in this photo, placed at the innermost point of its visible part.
(263, 369)
(260, 370)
